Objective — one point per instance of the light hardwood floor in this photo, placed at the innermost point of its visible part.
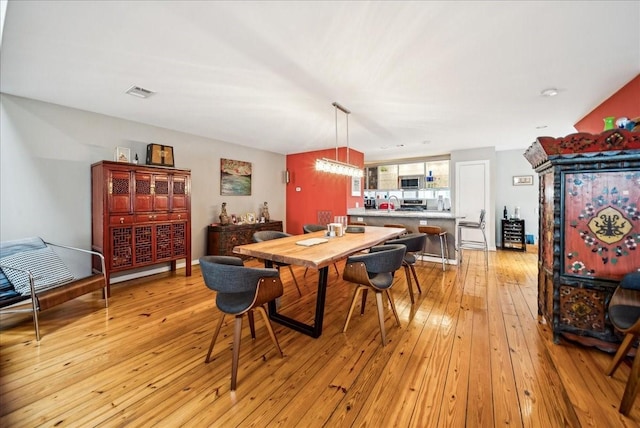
(470, 352)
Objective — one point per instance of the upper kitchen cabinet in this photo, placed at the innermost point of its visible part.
(430, 173)
(387, 177)
(437, 174)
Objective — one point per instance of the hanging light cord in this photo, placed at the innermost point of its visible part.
(347, 113)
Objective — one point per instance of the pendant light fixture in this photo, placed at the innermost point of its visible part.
(335, 166)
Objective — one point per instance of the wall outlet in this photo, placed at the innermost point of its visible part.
(423, 222)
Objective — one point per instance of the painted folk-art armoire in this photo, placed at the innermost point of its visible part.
(589, 229)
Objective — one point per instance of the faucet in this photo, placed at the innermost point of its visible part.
(389, 203)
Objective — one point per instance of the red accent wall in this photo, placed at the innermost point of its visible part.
(319, 191)
(624, 103)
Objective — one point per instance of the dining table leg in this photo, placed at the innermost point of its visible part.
(314, 330)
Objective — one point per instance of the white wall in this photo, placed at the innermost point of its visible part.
(46, 152)
(511, 163)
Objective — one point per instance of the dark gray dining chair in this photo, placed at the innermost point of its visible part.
(624, 313)
(415, 243)
(310, 228)
(240, 290)
(374, 270)
(267, 235)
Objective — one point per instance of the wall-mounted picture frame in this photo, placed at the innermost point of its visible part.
(523, 180)
(355, 186)
(235, 178)
(251, 218)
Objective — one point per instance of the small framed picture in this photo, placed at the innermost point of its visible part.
(251, 218)
(523, 180)
(123, 154)
(355, 186)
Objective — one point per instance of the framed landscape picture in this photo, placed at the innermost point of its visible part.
(235, 178)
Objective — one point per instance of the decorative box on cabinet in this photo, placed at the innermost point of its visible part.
(513, 235)
(589, 200)
(222, 239)
(141, 215)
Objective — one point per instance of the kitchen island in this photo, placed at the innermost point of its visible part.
(412, 220)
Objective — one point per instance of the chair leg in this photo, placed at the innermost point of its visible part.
(364, 300)
(459, 246)
(237, 331)
(353, 305)
(269, 328)
(620, 354)
(446, 246)
(213, 339)
(295, 281)
(252, 325)
(486, 249)
(415, 276)
(442, 252)
(381, 317)
(407, 274)
(393, 305)
(633, 384)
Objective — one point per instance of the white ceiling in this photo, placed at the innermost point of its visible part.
(420, 78)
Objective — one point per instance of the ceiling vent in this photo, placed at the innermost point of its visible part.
(137, 91)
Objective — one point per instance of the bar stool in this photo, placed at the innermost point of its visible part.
(442, 234)
(473, 244)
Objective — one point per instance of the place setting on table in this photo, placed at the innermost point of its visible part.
(316, 250)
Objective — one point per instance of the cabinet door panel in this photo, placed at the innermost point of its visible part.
(163, 245)
(143, 196)
(160, 192)
(179, 238)
(143, 243)
(119, 192)
(179, 193)
(121, 246)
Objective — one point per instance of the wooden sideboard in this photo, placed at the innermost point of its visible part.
(222, 239)
(141, 215)
(589, 229)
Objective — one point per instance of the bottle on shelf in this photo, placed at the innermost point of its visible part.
(504, 213)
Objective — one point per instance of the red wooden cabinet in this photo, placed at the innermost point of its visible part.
(141, 215)
(222, 239)
(589, 229)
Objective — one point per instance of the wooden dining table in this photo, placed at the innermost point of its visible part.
(320, 257)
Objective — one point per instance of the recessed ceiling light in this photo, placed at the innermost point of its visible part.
(541, 126)
(549, 92)
(140, 92)
(426, 142)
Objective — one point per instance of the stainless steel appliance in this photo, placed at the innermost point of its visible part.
(411, 182)
(413, 205)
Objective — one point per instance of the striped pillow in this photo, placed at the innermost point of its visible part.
(44, 264)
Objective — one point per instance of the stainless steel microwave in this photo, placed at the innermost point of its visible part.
(413, 182)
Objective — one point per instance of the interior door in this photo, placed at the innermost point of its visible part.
(472, 195)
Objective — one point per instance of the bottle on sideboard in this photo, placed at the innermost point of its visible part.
(504, 213)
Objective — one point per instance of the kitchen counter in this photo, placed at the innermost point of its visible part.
(411, 221)
(400, 213)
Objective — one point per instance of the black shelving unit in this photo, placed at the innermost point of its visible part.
(513, 235)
